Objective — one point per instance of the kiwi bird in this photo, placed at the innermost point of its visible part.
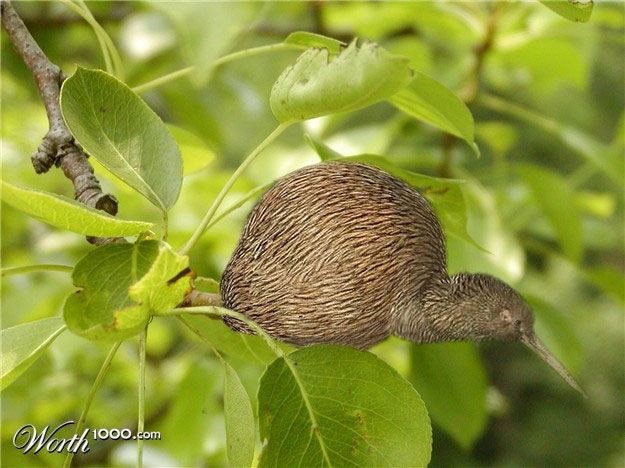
(345, 253)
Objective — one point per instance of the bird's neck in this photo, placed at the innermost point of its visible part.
(435, 314)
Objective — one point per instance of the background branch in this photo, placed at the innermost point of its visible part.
(58, 146)
(472, 89)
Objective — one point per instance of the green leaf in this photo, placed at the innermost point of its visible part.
(165, 284)
(445, 195)
(121, 287)
(196, 155)
(431, 102)
(451, 379)
(554, 328)
(118, 129)
(609, 279)
(319, 84)
(240, 423)
(308, 39)
(65, 213)
(556, 199)
(574, 10)
(208, 30)
(249, 348)
(337, 406)
(193, 412)
(608, 159)
(24, 344)
(503, 256)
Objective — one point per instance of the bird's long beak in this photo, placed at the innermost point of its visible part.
(534, 343)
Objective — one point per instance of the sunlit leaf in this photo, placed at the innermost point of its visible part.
(319, 84)
(24, 344)
(501, 136)
(165, 284)
(196, 155)
(65, 213)
(574, 10)
(504, 256)
(240, 424)
(429, 101)
(118, 129)
(337, 406)
(250, 348)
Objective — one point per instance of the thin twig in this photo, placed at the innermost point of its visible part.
(58, 146)
(472, 89)
(197, 298)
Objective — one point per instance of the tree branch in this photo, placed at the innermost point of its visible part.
(58, 146)
(197, 298)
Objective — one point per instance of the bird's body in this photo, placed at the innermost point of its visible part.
(345, 253)
(334, 262)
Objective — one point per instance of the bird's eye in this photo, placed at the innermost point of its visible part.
(517, 323)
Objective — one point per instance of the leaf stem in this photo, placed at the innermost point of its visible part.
(256, 51)
(111, 56)
(201, 337)
(94, 388)
(197, 298)
(251, 194)
(141, 418)
(162, 80)
(20, 270)
(220, 61)
(165, 227)
(222, 194)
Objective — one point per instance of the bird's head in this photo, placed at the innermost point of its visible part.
(490, 309)
(493, 310)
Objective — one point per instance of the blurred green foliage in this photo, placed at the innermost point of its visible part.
(545, 200)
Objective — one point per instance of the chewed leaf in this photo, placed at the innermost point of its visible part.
(121, 286)
(319, 83)
(117, 128)
(165, 284)
(65, 213)
(573, 10)
(308, 39)
(101, 309)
